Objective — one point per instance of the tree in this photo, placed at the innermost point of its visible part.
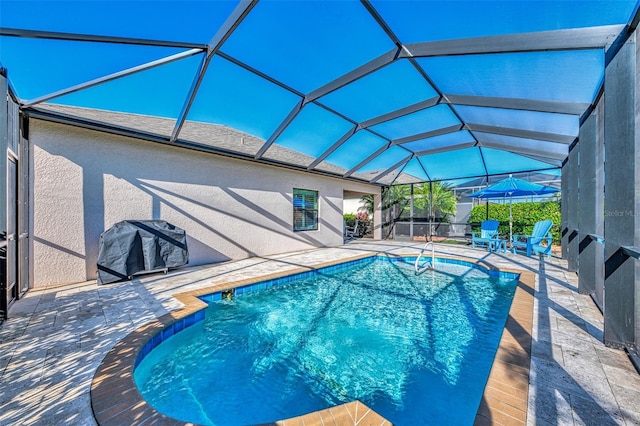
(367, 203)
(394, 197)
(444, 199)
(397, 199)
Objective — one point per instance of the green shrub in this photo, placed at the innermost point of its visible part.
(349, 218)
(525, 216)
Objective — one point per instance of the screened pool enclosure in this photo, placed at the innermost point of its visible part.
(383, 92)
(372, 92)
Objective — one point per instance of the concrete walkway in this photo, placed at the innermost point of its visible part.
(56, 337)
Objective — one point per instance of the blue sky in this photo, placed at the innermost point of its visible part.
(304, 45)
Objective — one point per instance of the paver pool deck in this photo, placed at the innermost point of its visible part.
(56, 338)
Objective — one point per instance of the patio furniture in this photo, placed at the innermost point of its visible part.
(352, 231)
(488, 233)
(533, 243)
(498, 244)
(513, 188)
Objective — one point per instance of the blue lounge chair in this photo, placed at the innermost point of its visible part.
(533, 243)
(488, 233)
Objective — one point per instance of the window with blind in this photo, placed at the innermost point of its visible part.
(305, 210)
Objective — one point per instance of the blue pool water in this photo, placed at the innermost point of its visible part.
(416, 349)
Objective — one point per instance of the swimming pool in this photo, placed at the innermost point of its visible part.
(414, 349)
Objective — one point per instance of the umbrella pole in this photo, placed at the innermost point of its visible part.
(510, 220)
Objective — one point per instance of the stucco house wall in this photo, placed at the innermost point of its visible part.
(352, 205)
(84, 181)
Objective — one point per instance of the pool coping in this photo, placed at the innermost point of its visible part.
(115, 398)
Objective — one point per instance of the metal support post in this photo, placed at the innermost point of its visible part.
(590, 202)
(622, 197)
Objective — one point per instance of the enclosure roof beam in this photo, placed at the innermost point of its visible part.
(446, 149)
(362, 71)
(424, 169)
(333, 147)
(541, 41)
(392, 168)
(429, 134)
(521, 150)
(557, 163)
(366, 160)
(520, 133)
(113, 76)
(281, 128)
(53, 35)
(224, 32)
(573, 108)
(427, 103)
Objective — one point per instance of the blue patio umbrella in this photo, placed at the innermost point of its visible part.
(512, 187)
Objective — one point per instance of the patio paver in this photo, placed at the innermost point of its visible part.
(57, 337)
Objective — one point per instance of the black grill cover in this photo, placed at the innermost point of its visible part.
(140, 245)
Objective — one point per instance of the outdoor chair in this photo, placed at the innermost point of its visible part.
(534, 243)
(352, 231)
(488, 233)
